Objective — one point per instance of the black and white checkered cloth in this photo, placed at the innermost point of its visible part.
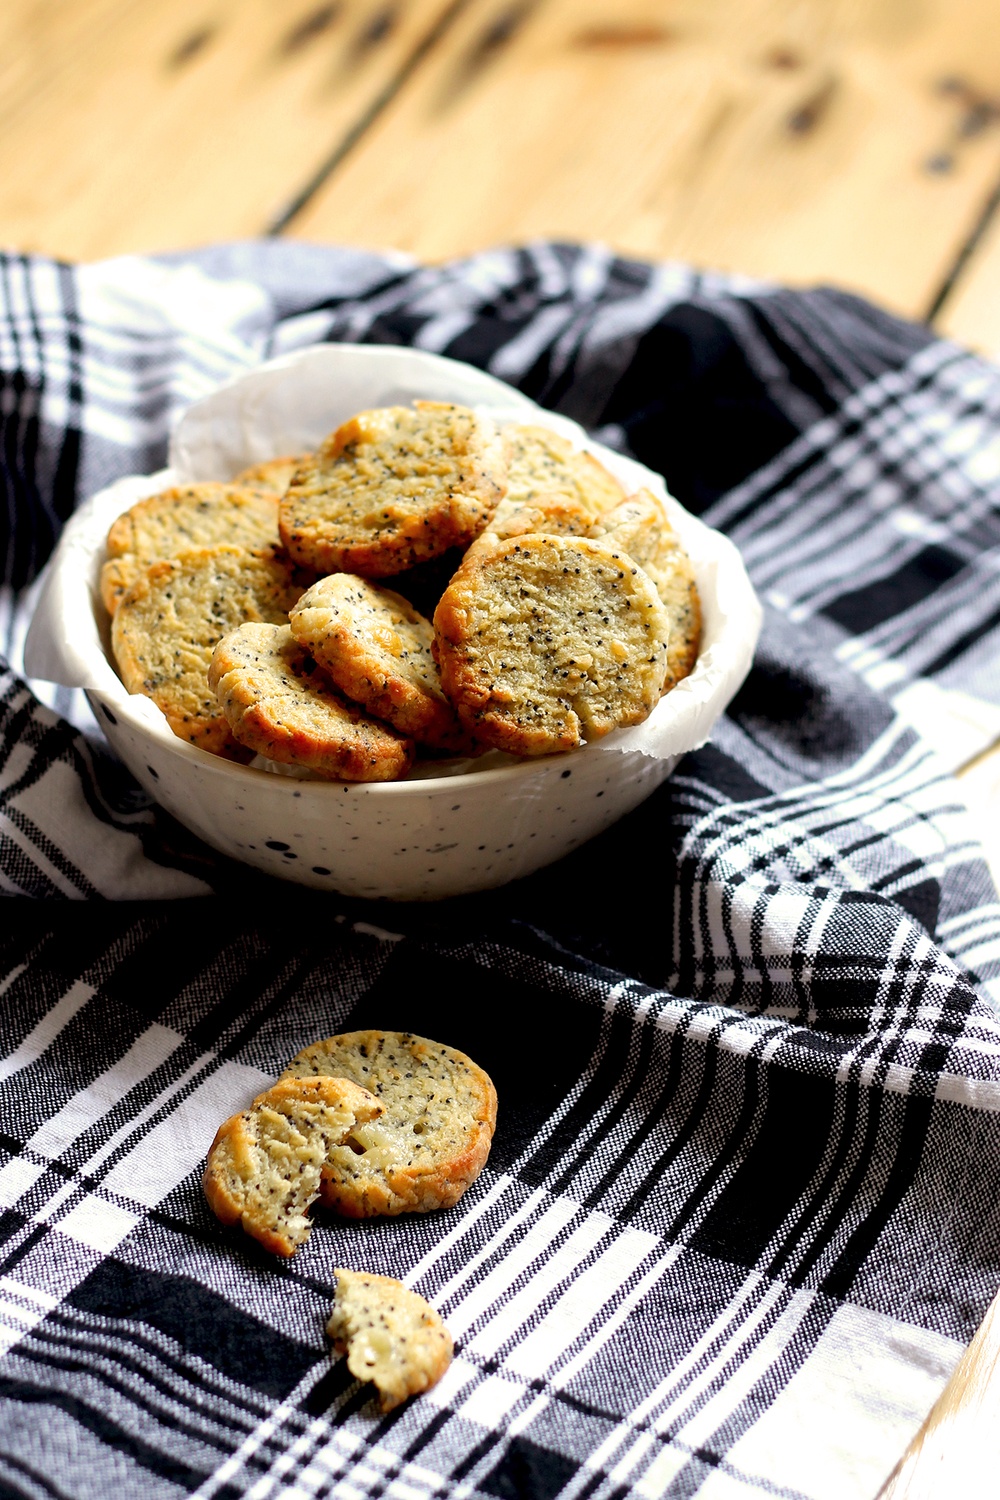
(742, 1208)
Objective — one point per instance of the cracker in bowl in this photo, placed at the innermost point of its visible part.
(433, 1138)
(376, 648)
(542, 462)
(185, 518)
(551, 514)
(393, 487)
(273, 474)
(639, 526)
(279, 704)
(169, 622)
(545, 642)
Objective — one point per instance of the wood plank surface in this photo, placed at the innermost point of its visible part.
(955, 1455)
(971, 313)
(144, 125)
(763, 136)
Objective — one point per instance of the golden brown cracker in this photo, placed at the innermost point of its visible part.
(392, 487)
(279, 704)
(434, 1136)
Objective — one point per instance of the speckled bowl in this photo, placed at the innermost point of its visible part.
(434, 834)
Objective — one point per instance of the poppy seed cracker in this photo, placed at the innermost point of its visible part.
(546, 642)
(542, 462)
(391, 1336)
(264, 1166)
(552, 514)
(377, 649)
(639, 526)
(184, 519)
(392, 487)
(280, 704)
(434, 1136)
(168, 624)
(273, 474)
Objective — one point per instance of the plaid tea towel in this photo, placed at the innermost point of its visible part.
(741, 1212)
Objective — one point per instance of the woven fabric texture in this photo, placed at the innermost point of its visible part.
(741, 1211)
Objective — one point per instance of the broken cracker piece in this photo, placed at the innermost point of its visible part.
(264, 1168)
(391, 1336)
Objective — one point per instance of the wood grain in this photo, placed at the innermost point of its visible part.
(144, 125)
(955, 1455)
(762, 136)
(971, 313)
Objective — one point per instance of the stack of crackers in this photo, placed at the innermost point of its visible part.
(535, 605)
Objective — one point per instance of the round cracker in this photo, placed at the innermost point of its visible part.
(639, 526)
(377, 649)
(185, 518)
(279, 703)
(393, 487)
(545, 642)
(542, 462)
(434, 1137)
(170, 621)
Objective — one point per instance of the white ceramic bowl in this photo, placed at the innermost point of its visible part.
(432, 835)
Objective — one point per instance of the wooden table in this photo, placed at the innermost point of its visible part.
(854, 141)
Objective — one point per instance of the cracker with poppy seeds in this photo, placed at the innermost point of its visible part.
(376, 648)
(390, 1335)
(265, 1164)
(280, 704)
(273, 474)
(545, 642)
(552, 514)
(392, 487)
(169, 622)
(541, 462)
(433, 1138)
(184, 518)
(640, 527)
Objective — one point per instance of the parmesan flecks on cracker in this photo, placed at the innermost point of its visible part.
(265, 1164)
